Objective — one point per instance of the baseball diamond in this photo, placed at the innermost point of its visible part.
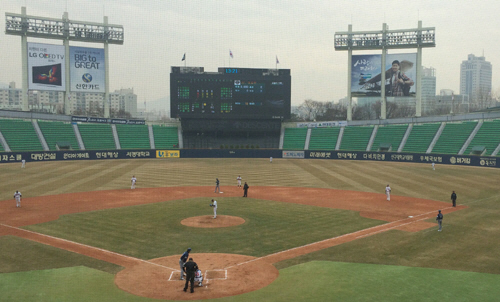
(253, 242)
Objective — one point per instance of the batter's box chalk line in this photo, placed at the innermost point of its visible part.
(219, 274)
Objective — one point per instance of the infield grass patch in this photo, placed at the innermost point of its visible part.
(154, 230)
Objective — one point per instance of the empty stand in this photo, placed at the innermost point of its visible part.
(295, 138)
(324, 138)
(97, 136)
(166, 137)
(453, 137)
(420, 137)
(356, 138)
(20, 135)
(133, 136)
(487, 136)
(391, 134)
(58, 132)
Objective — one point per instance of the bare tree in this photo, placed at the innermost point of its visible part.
(310, 109)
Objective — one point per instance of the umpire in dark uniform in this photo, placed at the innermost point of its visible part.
(245, 190)
(190, 269)
(454, 198)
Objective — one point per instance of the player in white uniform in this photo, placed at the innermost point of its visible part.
(17, 197)
(238, 180)
(198, 277)
(133, 181)
(214, 205)
(271, 159)
(433, 166)
(23, 163)
(388, 192)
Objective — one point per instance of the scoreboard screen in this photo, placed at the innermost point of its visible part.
(230, 93)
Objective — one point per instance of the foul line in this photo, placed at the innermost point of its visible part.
(87, 246)
(344, 235)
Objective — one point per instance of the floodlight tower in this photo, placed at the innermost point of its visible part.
(383, 40)
(66, 30)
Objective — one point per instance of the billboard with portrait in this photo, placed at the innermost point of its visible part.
(46, 67)
(400, 76)
(87, 73)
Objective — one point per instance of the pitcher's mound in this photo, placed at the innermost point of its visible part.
(208, 221)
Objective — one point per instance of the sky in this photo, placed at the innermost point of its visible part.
(300, 33)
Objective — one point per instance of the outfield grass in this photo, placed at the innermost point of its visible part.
(465, 253)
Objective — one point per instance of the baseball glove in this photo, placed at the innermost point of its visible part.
(211, 205)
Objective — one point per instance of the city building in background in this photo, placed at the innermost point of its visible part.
(475, 81)
(123, 102)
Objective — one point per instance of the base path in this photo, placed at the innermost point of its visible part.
(237, 274)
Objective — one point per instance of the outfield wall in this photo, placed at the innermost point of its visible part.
(446, 159)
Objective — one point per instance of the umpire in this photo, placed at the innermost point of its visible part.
(190, 269)
(454, 198)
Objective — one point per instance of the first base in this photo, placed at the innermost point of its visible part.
(410, 216)
(221, 192)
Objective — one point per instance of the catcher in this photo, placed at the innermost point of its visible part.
(198, 277)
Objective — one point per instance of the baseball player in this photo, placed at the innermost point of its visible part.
(198, 277)
(271, 159)
(238, 180)
(439, 219)
(433, 166)
(217, 187)
(17, 197)
(183, 260)
(133, 181)
(388, 192)
(23, 163)
(214, 205)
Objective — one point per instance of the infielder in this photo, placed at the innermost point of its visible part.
(388, 192)
(217, 185)
(238, 180)
(198, 277)
(214, 205)
(183, 260)
(439, 219)
(133, 181)
(17, 197)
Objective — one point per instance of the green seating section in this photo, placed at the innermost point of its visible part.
(133, 136)
(389, 134)
(356, 138)
(166, 137)
(58, 132)
(295, 138)
(324, 138)
(420, 138)
(97, 136)
(1, 148)
(453, 137)
(20, 135)
(488, 136)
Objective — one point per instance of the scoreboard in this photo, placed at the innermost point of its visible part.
(230, 93)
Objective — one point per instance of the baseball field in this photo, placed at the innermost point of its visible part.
(310, 230)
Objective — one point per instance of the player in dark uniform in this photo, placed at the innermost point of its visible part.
(439, 219)
(454, 198)
(245, 189)
(190, 269)
(183, 260)
(217, 186)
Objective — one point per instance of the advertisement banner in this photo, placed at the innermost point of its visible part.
(46, 67)
(167, 153)
(400, 74)
(87, 73)
(293, 154)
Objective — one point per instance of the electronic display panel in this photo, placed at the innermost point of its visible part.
(230, 93)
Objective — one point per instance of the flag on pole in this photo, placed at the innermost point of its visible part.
(277, 61)
(184, 57)
(230, 53)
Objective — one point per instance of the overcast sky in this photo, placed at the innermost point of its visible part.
(299, 32)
